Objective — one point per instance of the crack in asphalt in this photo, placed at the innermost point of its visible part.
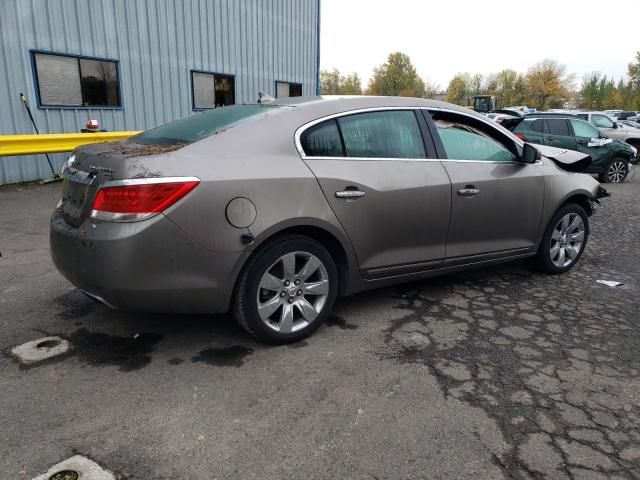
(553, 360)
(552, 375)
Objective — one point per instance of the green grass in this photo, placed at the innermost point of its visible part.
(65, 475)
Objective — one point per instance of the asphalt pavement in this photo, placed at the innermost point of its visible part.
(497, 373)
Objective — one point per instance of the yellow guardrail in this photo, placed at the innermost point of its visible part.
(55, 142)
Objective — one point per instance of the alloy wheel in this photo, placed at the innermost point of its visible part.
(617, 171)
(292, 292)
(567, 240)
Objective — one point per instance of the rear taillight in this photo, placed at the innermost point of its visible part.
(138, 199)
(521, 136)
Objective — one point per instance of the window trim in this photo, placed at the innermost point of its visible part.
(437, 143)
(46, 106)
(193, 96)
(276, 82)
(429, 148)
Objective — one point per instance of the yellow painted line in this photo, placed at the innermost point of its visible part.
(55, 142)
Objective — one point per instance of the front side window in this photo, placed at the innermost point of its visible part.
(467, 139)
(558, 126)
(287, 89)
(72, 81)
(583, 129)
(601, 121)
(322, 140)
(211, 90)
(385, 134)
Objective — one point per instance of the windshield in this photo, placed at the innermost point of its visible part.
(196, 127)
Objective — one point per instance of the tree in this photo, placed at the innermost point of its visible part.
(430, 89)
(505, 87)
(330, 82)
(476, 84)
(351, 85)
(397, 76)
(633, 71)
(459, 88)
(334, 83)
(548, 84)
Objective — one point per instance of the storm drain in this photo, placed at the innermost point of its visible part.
(39, 350)
(76, 468)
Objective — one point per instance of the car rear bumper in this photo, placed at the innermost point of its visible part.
(150, 266)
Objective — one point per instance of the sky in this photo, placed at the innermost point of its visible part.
(445, 37)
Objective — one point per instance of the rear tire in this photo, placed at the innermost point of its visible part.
(616, 171)
(286, 290)
(564, 240)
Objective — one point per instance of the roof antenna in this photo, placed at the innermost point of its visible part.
(264, 97)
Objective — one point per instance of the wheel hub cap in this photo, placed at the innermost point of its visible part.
(567, 240)
(292, 292)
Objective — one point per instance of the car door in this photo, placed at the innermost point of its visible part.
(558, 133)
(589, 140)
(496, 199)
(392, 200)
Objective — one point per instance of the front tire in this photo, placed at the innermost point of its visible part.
(564, 240)
(286, 290)
(616, 171)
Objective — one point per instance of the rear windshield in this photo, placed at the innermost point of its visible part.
(196, 127)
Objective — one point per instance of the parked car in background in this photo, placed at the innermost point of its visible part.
(272, 210)
(609, 158)
(611, 129)
(624, 115)
(612, 113)
(628, 123)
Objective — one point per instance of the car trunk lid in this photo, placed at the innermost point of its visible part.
(91, 166)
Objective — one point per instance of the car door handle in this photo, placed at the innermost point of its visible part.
(469, 191)
(349, 194)
(550, 139)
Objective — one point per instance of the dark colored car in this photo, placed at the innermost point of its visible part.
(626, 115)
(609, 158)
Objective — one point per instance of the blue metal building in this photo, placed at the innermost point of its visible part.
(135, 64)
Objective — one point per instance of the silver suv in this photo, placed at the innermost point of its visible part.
(611, 129)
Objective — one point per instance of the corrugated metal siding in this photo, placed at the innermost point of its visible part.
(157, 43)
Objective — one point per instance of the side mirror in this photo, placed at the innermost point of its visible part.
(615, 125)
(530, 154)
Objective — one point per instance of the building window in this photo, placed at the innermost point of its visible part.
(287, 89)
(74, 81)
(212, 90)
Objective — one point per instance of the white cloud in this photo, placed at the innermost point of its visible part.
(446, 37)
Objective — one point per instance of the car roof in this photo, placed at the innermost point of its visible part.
(352, 102)
(550, 114)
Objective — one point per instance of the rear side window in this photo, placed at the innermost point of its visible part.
(196, 127)
(537, 125)
(558, 126)
(322, 140)
(584, 116)
(386, 134)
(583, 129)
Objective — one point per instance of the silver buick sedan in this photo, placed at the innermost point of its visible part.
(272, 210)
